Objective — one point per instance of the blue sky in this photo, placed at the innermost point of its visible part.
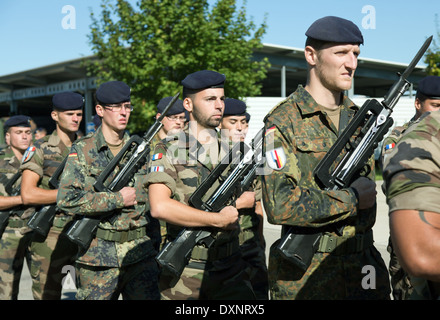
(33, 34)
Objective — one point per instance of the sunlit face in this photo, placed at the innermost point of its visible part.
(113, 118)
(174, 123)
(69, 120)
(426, 106)
(336, 64)
(236, 127)
(206, 107)
(19, 138)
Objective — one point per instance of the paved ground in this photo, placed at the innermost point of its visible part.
(271, 232)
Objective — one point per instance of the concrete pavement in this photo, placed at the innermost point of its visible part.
(271, 232)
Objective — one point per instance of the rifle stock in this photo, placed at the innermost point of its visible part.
(372, 122)
(17, 210)
(41, 221)
(129, 160)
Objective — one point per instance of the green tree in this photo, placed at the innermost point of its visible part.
(154, 45)
(432, 56)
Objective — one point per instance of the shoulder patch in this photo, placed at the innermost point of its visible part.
(276, 158)
(28, 154)
(156, 169)
(157, 156)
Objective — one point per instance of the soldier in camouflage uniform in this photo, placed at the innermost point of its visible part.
(425, 102)
(14, 235)
(411, 180)
(50, 254)
(299, 132)
(177, 168)
(120, 258)
(234, 124)
(173, 123)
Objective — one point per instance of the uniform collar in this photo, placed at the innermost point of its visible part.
(308, 105)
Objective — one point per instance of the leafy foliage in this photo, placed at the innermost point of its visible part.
(432, 56)
(154, 45)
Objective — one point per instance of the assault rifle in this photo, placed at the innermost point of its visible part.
(17, 210)
(229, 179)
(133, 155)
(372, 122)
(41, 221)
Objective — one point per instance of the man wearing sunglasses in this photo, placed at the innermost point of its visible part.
(120, 259)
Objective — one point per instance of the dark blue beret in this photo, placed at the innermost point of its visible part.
(204, 79)
(335, 29)
(248, 117)
(68, 101)
(17, 121)
(113, 92)
(234, 107)
(176, 108)
(430, 87)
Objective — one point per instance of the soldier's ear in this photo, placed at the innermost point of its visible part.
(187, 104)
(311, 55)
(99, 110)
(54, 115)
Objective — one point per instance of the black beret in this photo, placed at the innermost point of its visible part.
(335, 29)
(113, 92)
(68, 101)
(248, 117)
(430, 87)
(176, 108)
(17, 121)
(234, 107)
(204, 79)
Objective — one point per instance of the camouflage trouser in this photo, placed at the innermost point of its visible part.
(253, 253)
(330, 276)
(48, 257)
(13, 252)
(224, 279)
(137, 281)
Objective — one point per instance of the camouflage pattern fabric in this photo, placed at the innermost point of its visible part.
(252, 246)
(298, 135)
(400, 282)
(88, 158)
(137, 281)
(412, 176)
(182, 164)
(16, 236)
(49, 255)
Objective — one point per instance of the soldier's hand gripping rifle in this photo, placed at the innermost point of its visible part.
(41, 221)
(372, 121)
(17, 210)
(229, 179)
(129, 160)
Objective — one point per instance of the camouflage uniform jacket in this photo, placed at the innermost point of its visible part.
(182, 164)
(9, 166)
(50, 151)
(302, 132)
(391, 140)
(411, 171)
(412, 175)
(88, 158)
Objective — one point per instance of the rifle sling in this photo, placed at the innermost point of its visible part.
(215, 253)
